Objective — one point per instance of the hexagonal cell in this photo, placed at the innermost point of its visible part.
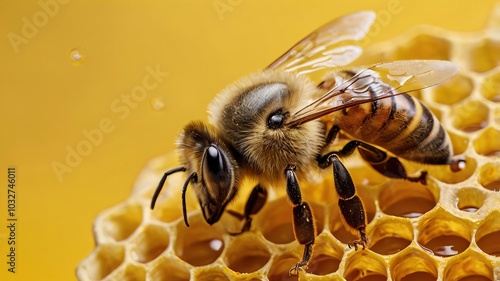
(470, 199)
(489, 176)
(408, 199)
(275, 220)
(246, 253)
(413, 265)
(459, 143)
(490, 89)
(488, 235)
(150, 243)
(103, 260)
(453, 90)
(131, 272)
(470, 116)
(443, 172)
(281, 266)
(390, 235)
(485, 56)
(365, 266)
(472, 266)
(444, 234)
(326, 256)
(168, 268)
(199, 244)
(121, 222)
(488, 143)
(424, 46)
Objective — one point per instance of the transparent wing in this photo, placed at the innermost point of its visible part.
(332, 45)
(376, 82)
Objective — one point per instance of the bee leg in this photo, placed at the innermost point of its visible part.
(387, 165)
(254, 204)
(351, 206)
(303, 221)
(332, 134)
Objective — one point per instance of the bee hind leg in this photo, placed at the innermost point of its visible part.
(254, 204)
(386, 165)
(303, 220)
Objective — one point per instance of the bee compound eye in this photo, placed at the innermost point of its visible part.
(216, 169)
(276, 120)
(214, 160)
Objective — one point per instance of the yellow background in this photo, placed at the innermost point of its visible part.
(48, 100)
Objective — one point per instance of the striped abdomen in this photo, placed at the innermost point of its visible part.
(402, 125)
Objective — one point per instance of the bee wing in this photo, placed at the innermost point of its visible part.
(379, 81)
(331, 45)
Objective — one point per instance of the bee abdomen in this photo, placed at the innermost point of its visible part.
(404, 126)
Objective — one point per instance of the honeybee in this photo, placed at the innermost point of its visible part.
(276, 126)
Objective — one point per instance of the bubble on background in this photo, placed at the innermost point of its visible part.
(157, 103)
(76, 56)
(446, 230)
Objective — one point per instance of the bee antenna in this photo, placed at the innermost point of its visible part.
(184, 188)
(162, 182)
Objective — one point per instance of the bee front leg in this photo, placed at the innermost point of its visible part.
(351, 206)
(255, 202)
(303, 221)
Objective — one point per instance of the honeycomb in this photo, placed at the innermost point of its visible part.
(448, 229)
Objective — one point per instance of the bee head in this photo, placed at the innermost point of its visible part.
(217, 182)
(214, 167)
